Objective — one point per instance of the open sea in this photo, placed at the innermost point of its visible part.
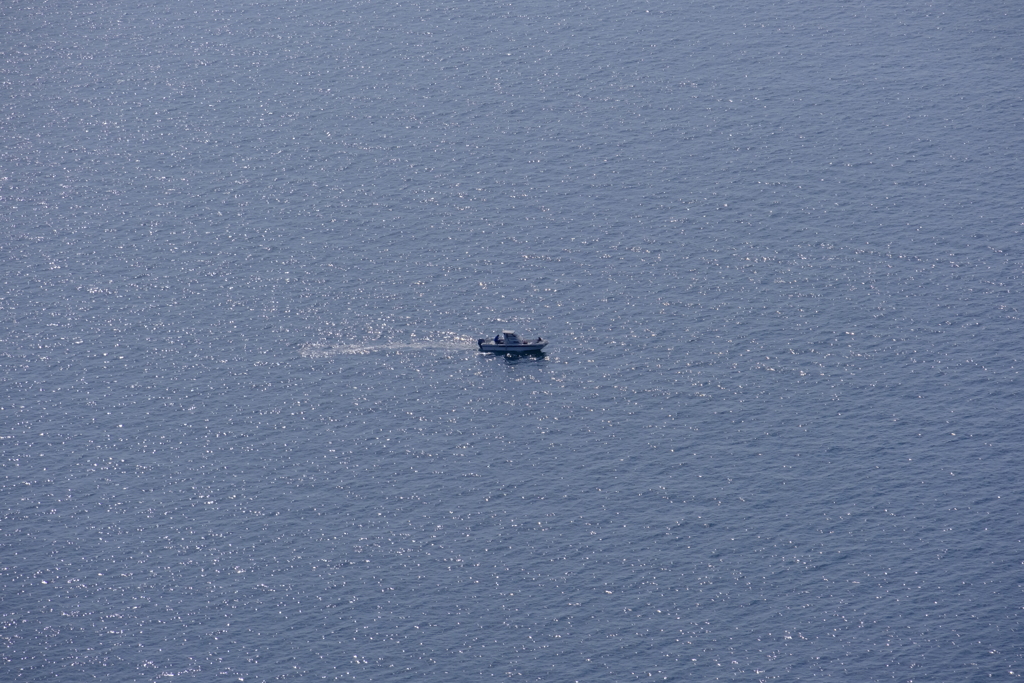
(246, 251)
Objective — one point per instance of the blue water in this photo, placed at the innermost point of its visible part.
(247, 249)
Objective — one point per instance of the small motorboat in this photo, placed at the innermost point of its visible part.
(510, 342)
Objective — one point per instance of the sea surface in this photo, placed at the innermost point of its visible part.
(246, 250)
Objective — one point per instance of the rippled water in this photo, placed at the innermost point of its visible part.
(247, 251)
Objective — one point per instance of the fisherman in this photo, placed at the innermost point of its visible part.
(497, 339)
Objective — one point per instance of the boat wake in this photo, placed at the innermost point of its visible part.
(327, 349)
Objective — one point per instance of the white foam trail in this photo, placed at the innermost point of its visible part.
(324, 350)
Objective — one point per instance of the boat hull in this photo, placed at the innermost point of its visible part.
(512, 348)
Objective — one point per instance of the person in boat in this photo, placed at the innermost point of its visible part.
(497, 339)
